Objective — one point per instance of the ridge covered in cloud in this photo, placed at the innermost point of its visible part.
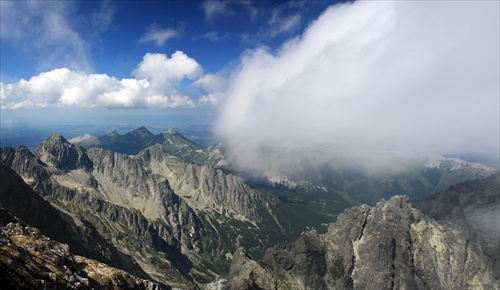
(374, 75)
(154, 86)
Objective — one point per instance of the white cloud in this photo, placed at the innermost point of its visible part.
(212, 8)
(406, 76)
(212, 87)
(211, 35)
(211, 83)
(164, 72)
(251, 7)
(279, 25)
(46, 31)
(157, 76)
(211, 98)
(159, 35)
(282, 22)
(102, 19)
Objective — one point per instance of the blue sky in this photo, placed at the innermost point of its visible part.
(412, 76)
(112, 37)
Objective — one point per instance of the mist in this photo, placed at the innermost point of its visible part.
(412, 77)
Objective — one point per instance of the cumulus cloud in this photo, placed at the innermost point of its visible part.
(154, 86)
(212, 88)
(164, 72)
(212, 98)
(377, 75)
(211, 83)
(159, 35)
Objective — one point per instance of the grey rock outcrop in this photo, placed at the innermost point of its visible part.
(206, 186)
(389, 246)
(30, 260)
(20, 200)
(58, 152)
(245, 273)
(24, 163)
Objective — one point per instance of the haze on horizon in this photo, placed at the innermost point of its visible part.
(420, 76)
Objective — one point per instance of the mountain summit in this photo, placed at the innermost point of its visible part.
(392, 245)
(135, 141)
(58, 152)
(171, 131)
(141, 138)
(141, 132)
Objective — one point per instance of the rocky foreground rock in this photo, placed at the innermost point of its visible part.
(30, 260)
(448, 241)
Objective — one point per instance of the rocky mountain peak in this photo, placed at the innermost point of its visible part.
(58, 152)
(56, 138)
(8, 153)
(171, 131)
(24, 151)
(248, 274)
(24, 163)
(390, 246)
(141, 132)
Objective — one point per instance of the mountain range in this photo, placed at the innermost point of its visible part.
(310, 177)
(164, 209)
(149, 213)
(450, 240)
(141, 138)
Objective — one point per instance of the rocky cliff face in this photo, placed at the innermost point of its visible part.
(24, 163)
(107, 230)
(202, 185)
(392, 245)
(30, 260)
(59, 153)
(164, 218)
(20, 200)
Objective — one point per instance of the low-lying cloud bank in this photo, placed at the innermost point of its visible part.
(417, 76)
(391, 76)
(154, 86)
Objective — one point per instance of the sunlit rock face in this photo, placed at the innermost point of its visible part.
(58, 152)
(31, 260)
(151, 214)
(448, 240)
